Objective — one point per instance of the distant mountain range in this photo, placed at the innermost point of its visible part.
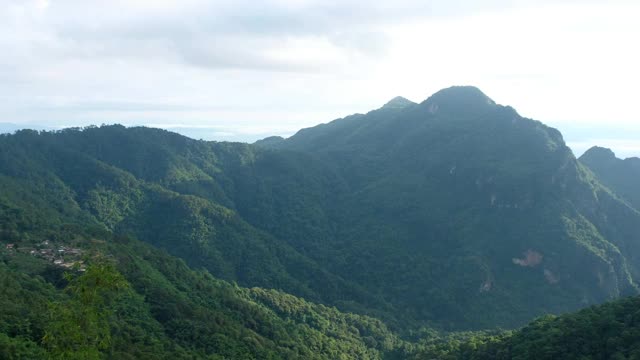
(452, 214)
(8, 128)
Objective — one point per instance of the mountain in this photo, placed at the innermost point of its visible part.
(398, 102)
(455, 213)
(460, 206)
(6, 128)
(165, 189)
(621, 176)
(271, 141)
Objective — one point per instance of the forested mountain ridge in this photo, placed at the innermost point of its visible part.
(459, 185)
(151, 305)
(454, 213)
(164, 188)
(621, 176)
(609, 331)
(143, 303)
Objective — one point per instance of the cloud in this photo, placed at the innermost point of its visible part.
(223, 34)
(270, 35)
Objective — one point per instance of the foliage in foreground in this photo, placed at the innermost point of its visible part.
(134, 301)
(609, 331)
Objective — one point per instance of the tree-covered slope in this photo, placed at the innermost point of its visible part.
(127, 300)
(455, 212)
(609, 331)
(489, 212)
(621, 176)
(165, 189)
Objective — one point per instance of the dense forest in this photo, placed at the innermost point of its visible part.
(406, 232)
(124, 299)
(610, 331)
(139, 302)
(619, 175)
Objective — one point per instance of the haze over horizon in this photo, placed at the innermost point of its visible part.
(241, 70)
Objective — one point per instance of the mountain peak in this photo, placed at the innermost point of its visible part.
(458, 97)
(598, 153)
(271, 141)
(398, 102)
(464, 91)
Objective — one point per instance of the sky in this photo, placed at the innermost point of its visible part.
(241, 70)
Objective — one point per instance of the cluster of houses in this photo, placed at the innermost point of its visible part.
(63, 256)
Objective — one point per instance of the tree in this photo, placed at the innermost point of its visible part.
(79, 327)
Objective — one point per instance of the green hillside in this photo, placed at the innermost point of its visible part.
(610, 331)
(621, 176)
(165, 189)
(488, 211)
(127, 300)
(413, 213)
(352, 239)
